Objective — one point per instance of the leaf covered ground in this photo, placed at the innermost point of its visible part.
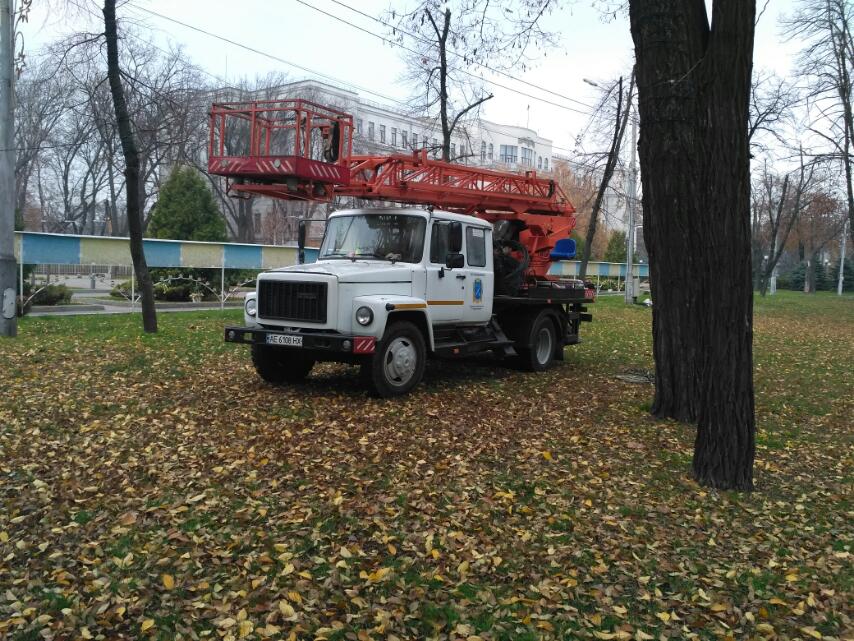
(152, 487)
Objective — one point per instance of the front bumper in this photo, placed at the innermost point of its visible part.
(312, 342)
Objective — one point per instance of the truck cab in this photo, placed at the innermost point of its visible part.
(391, 287)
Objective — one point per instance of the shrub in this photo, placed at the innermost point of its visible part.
(52, 295)
(122, 290)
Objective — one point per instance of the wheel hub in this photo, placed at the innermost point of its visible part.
(544, 345)
(400, 361)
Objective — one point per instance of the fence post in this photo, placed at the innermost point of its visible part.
(222, 287)
(132, 291)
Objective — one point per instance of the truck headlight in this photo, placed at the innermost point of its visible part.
(364, 316)
(251, 306)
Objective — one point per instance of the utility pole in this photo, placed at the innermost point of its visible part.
(630, 231)
(842, 260)
(8, 311)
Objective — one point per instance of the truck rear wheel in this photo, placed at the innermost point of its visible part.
(277, 366)
(398, 363)
(539, 343)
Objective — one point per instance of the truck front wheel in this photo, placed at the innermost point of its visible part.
(398, 363)
(277, 366)
(540, 343)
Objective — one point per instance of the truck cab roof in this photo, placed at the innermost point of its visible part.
(414, 211)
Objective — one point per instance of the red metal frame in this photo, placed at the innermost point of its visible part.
(264, 169)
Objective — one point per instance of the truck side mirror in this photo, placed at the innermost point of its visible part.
(454, 260)
(301, 241)
(455, 237)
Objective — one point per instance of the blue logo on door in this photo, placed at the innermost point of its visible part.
(477, 292)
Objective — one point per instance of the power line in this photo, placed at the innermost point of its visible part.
(262, 53)
(468, 73)
(456, 54)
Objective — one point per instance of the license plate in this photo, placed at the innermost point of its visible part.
(287, 340)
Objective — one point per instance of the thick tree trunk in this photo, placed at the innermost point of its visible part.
(693, 89)
(132, 181)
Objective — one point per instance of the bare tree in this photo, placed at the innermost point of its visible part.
(621, 119)
(41, 101)
(133, 185)
(777, 205)
(445, 40)
(827, 27)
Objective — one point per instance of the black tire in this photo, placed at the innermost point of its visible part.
(538, 343)
(389, 379)
(277, 366)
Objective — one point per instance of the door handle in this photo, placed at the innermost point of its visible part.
(461, 276)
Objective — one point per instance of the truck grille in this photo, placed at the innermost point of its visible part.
(286, 300)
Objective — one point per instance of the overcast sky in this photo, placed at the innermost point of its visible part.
(592, 46)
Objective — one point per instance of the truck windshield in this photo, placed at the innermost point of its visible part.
(394, 237)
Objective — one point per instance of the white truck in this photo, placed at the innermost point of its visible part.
(392, 287)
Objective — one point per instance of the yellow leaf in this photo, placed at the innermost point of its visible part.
(604, 635)
(718, 607)
(295, 597)
(287, 610)
(596, 619)
(815, 634)
(664, 616)
(392, 549)
(227, 623)
(379, 575)
(84, 632)
(148, 623)
(640, 635)
(168, 581)
(288, 569)
(4, 536)
(765, 627)
(245, 629)
(588, 503)
(345, 553)
(435, 553)
(792, 577)
(776, 601)
(547, 455)
(463, 567)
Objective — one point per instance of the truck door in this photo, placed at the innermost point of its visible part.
(445, 287)
(479, 281)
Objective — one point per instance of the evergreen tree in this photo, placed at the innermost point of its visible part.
(186, 210)
(616, 251)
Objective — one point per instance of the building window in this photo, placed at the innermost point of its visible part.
(540, 162)
(482, 151)
(370, 130)
(527, 157)
(546, 164)
(414, 140)
(490, 151)
(382, 133)
(453, 150)
(508, 153)
(404, 138)
(394, 136)
(359, 126)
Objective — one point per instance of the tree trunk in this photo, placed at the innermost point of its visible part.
(610, 164)
(132, 183)
(693, 89)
